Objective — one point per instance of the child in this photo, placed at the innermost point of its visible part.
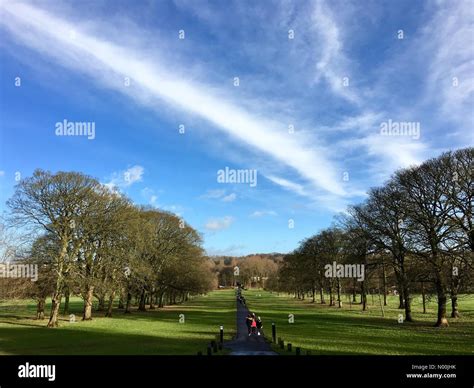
(248, 322)
(254, 326)
(259, 325)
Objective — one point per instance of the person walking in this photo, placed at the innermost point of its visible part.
(259, 325)
(254, 326)
(248, 322)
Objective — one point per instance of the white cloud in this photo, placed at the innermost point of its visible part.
(288, 185)
(262, 213)
(107, 63)
(126, 178)
(176, 209)
(449, 38)
(332, 64)
(217, 224)
(219, 194)
(229, 198)
(213, 194)
(150, 196)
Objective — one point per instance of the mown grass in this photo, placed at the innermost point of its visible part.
(350, 331)
(154, 332)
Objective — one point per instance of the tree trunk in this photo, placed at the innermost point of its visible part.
(339, 301)
(110, 305)
(101, 305)
(151, 298)
(363, 296)
(331, 295)
(162, 300)
(384, 279)
(454, 296)
(313, 295)
(120, 302)
(454, 306)
(442, 321)
(128, 303)
(40, 308)
(423, 295)
(401, 301)
(141, 304)
(55, 303)
(56, 299)
(406, 293)
(321, 294)
(88, 298)
(66, 302)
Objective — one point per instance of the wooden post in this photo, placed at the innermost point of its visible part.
(282, 344)
(273, 333)
(221, 334)
(298, 351)
(214, 346)
(289, 347)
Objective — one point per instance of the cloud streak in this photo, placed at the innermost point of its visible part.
(109, 63)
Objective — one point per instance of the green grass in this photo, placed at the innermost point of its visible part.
(350, 331)
(318, 328)
(145, 333)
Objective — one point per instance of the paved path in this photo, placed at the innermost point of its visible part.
(245, 345)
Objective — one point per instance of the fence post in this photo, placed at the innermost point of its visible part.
(221, 332)
(273, 332)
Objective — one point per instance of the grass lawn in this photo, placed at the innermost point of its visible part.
(350, 331)
(140, 333)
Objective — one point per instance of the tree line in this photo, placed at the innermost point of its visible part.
(92, 241)
(249, 271)
(412, 235)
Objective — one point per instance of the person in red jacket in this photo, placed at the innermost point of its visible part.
(254, 325)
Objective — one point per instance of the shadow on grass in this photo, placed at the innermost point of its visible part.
(18, 341)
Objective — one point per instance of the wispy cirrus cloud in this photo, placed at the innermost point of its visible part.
(288, 185)
(311, 161)
(108, 62)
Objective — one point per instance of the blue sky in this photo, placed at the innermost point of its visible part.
(316, 81)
